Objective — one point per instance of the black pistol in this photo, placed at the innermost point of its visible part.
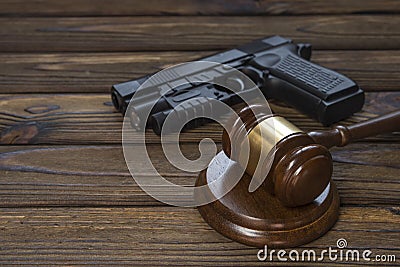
(280, 68)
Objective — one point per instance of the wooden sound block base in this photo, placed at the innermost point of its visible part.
(259, 218)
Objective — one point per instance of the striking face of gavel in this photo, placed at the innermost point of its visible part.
(302, 165)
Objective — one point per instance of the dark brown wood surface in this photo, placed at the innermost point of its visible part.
(193, 7)
(66, 196)
(374, 70)
(154, 236)
(166, 33)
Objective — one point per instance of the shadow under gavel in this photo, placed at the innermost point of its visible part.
(295, 200)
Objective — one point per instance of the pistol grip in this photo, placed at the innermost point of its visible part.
(319, 92)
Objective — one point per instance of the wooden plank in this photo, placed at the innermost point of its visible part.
(155, 236)
(193, 7)
(91, 119)
(197, 33)
(81, 72)
(365, 174)
(96, 72)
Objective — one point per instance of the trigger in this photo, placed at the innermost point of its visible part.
(252, 74)
(304, 50)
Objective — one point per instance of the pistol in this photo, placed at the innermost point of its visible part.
(279, 67)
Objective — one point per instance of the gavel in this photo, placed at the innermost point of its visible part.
(302, 166)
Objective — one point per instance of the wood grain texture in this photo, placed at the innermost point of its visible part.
(96, 72)
(199, 33)
(365, 174)
(193, 7)
(154, 236)
(91, 119)
(66, 196)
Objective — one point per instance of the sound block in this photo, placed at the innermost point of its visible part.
(259, 218)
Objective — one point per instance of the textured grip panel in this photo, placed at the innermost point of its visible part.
(320, 81)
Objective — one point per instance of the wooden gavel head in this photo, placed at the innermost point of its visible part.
(301, 169)
(302, 165)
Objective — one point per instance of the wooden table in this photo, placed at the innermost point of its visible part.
(66, 195)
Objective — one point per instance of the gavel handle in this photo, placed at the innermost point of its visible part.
(341, 135)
